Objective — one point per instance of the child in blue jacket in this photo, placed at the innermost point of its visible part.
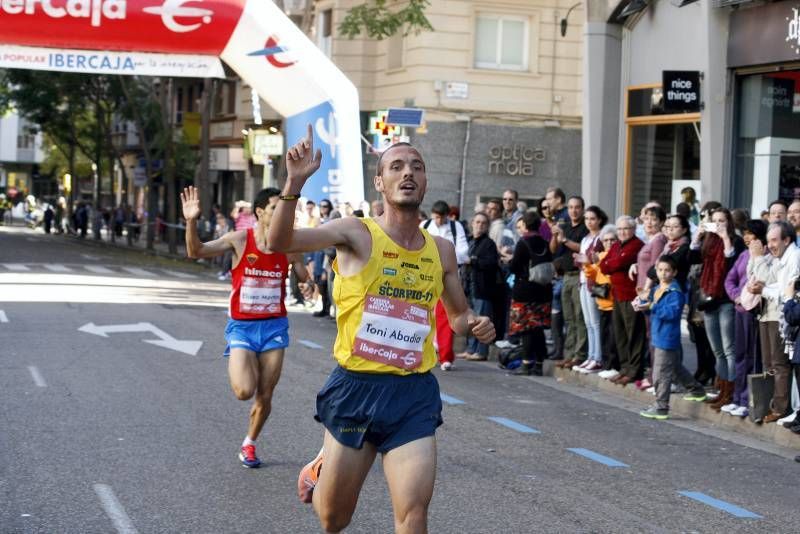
(666, 308)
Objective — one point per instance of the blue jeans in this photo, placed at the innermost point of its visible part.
(591, 316)
(721, 331)
(481, 307)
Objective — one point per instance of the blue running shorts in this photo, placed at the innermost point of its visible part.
(385, 410)
(257, 336)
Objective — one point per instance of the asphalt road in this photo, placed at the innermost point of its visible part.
(112, 434)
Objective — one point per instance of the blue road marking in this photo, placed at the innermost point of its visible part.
(605, 460)
(450, 400)
(309, 344)
(720, 505)
(514, 425)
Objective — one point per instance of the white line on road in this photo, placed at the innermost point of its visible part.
(37, 376)
(3, 317)
(178, 274)
(137, 271)
(90, 257)
(114, 509)
(57, 268)
(99, 269)
(15, 267)
(309, 344)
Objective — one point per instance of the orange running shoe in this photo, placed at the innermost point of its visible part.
(309, 476)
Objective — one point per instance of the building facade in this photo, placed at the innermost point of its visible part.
(499, 85)
(20, 156)
(693, 94)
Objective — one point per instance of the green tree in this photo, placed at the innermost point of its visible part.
(379, 20)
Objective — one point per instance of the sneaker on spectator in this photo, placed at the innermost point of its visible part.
(728, 408)
(609, 374)
(504, 344)
(788, 420)
(446, 366)
(651, 390)
(581, 365)
(593, 367)
(740, 411)
(643, 384)
(696, 396)
(654, 413)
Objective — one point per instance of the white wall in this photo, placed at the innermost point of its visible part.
(8, 137)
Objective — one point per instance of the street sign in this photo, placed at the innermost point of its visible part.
(405, 116)
(681, 91)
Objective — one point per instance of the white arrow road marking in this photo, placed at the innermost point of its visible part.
(98, 269)
(16, 267)
(3, 317)
(37, 376)
(178, 274)
(57, 268)
(114, 509)
(166, 340)
(137, 271)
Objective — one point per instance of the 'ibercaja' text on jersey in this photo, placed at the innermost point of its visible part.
(385, 312)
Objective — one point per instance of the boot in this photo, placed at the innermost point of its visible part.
(537, 371)
(557, 333)
(716, 387)
(725, 395)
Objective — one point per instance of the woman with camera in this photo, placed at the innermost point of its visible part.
(717, 247)
(532, 295)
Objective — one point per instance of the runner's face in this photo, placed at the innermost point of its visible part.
(403, 181)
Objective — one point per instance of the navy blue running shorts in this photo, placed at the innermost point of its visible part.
(385, 410)
(257, 336)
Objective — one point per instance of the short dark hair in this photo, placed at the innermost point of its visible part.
(495, 201)
(263, 196)
(758, 228)
(379, 164)
(578, 198)
(440, 207)
(514, 192)
(778, 201)
(325, 203)
(531, 220)
(669, 260)
(309, 201)
(683, 209)
(558, 192)
(682, 220)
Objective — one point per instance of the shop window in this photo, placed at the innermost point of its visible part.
(664, 159)
(501, 42)
(766, 159)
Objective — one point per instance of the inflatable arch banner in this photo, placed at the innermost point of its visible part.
(184, 38)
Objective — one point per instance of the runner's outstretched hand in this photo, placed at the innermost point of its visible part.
(301, 160)
(481, 328)
(191, 203)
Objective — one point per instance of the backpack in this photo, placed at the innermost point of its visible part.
(542, 273)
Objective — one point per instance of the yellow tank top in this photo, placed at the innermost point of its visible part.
(385, 312)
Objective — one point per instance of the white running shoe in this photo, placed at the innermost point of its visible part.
(728, 408)
(608, 375)
(740, 411)
(504, 344)
(593, 367)
(581, 365)
(651, 390)
(789, 419)
(446, 366)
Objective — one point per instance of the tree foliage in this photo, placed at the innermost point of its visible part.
(379, 20)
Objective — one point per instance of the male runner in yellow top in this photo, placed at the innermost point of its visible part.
(382, 397)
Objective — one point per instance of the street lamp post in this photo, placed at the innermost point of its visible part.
(564, 20)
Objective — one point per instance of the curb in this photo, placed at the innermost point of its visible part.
(695, 411)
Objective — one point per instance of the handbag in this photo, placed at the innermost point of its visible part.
(706, 302)
(761, 388)
(601, 291)
(541, 273)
